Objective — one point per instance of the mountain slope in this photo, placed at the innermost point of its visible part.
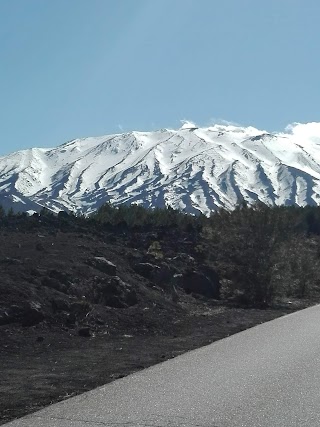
(194, 169)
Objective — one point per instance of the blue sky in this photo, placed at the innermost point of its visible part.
(76, 68)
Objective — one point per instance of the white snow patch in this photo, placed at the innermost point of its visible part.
(194, 169)
(186, 124)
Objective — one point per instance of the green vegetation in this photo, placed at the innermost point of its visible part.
(137, 217)
(260, 253)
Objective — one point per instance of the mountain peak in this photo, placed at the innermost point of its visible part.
(194, 169)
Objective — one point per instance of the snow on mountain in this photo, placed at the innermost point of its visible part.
(193, 169)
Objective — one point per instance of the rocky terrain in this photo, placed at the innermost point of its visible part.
(83, 306)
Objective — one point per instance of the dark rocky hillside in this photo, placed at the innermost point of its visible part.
(90, 279)
(85, 302)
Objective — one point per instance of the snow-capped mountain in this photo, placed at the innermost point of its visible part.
(192, 169)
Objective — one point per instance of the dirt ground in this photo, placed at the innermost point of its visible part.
(42, 365)
(52, 287)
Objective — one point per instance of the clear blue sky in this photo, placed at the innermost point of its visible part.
(75, 68)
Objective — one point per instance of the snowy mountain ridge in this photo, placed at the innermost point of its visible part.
(192, 169)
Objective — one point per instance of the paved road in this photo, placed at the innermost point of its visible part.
(266, 376)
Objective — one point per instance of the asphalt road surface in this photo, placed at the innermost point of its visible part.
(266, 376)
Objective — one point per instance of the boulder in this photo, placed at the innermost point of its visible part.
(193, 281)
(32, 314)
(61, 276)
(53, 283)
(29, 314)
(80, 309)
(160, 275)
(103, 265)
(163, 276)
(115, 293)
(60, 304)
(181, 256)
(146, 269)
